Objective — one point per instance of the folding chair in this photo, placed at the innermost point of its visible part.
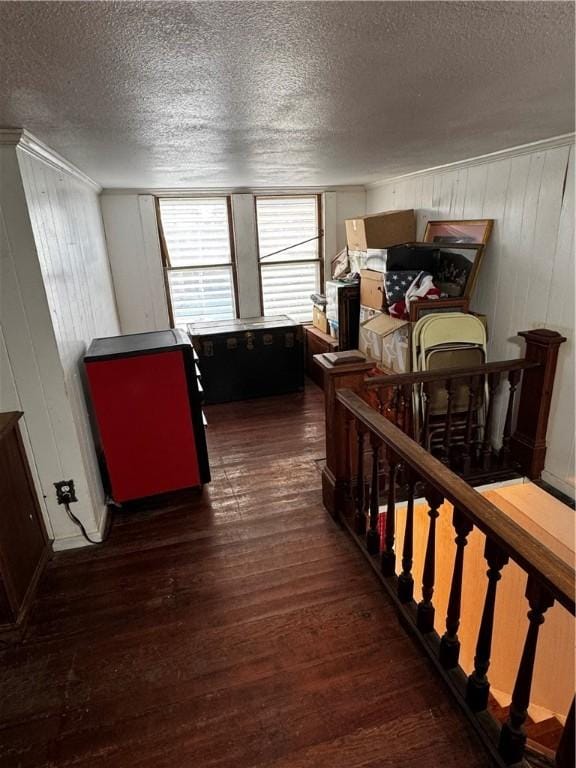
(447, 340)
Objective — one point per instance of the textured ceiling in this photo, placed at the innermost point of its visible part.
(161, 94)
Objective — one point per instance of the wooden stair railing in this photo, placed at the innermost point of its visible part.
(478, 450)
(550, 579)
(466, 440)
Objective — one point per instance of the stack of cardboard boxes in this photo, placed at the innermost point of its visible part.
(373, 254)
(382, 338)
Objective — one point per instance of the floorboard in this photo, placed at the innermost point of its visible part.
(239, 628)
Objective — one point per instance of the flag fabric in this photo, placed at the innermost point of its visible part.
(402, 287)
(397, 283)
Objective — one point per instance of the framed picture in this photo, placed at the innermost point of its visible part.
(424, 307)
(456, 269)
(473, 231)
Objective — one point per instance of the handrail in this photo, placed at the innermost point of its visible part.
(420, 377)
(523, 548)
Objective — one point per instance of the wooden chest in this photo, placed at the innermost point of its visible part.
(241, 359)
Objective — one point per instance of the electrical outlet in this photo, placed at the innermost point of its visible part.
(65, 492)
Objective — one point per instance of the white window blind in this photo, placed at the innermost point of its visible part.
(198, 258)
(289, 253)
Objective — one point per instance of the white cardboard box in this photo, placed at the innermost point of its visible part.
(385, 339)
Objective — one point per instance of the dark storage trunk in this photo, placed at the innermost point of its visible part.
(241, 359)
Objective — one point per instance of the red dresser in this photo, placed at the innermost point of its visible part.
(146, 401)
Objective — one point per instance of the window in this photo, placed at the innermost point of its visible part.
(289, 254)
(198, 259)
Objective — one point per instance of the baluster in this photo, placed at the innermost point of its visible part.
(397, 404)
(360, 516)
(400, 407)
(565, 751)
(425, 611)
(405, 580)
(513, 381)
(478, 686)
(493, 381)
(472, 406)
(513, 735)
(389, 403)
(388, 560)
(372, 536)
(349, 491)
(425, 400)
(407, 409)
(380, 394)
(450, 385)
(450, 644)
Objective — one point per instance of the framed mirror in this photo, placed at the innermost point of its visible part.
(456, 269)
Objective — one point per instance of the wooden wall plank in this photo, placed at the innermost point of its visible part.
(30, 345)
(546, 234)
(560, 314)
(66, 269)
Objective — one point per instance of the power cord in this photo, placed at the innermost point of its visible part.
(65, 495)
(80, 525)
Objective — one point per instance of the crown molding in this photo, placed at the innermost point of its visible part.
(502, 154)
(21, 138)
(220, 191)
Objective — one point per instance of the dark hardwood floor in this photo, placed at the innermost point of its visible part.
(241, 628)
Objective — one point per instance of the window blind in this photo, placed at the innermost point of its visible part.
(289, 252)
(198, 256)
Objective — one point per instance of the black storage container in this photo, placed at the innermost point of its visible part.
(241, 359)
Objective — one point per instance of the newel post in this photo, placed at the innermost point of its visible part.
(339, 468)
(528, 443)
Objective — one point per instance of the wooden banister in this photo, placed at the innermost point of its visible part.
(525, 448)
(470, 426)
(441, 374)
(472, 443)
(532, 556)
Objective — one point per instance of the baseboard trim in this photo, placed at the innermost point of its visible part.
(78, 541)
(557, 487)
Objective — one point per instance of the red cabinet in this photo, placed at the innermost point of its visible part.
(146, 403)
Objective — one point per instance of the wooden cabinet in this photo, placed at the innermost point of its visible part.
(24, 545)
(317, 343)
(146, 403)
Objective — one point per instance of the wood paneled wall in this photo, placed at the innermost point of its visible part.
(69, 237)
(55, 295)
(134, 251)
(527, 278)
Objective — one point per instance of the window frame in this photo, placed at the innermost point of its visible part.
(165, 255)
(320, 236)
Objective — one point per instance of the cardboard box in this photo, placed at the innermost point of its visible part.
(367, 313)
(385, 339)
(372, 289)
(381, 230)
(319, 319)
